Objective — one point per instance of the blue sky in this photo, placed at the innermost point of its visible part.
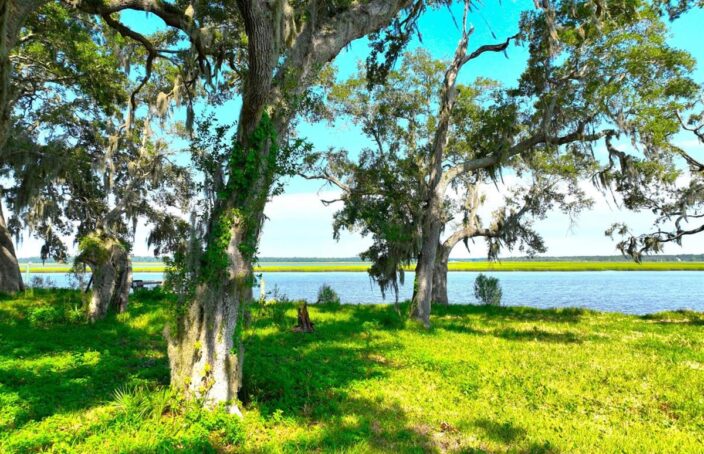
(299, 225)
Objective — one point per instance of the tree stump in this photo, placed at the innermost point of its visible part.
(304, 324)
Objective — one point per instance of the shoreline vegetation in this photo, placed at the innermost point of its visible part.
(322, 267)
(483, 379)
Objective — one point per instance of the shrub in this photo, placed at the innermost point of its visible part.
(44, 316)
(488, 290)
(326, 295)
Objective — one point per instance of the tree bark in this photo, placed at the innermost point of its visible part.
(10, 275)
(440, 276)
(204, 356)
(123, 283)
(112, 280)
(104, 278)
(426, 265)
(304, 324)
(12, 15)
(7, 39)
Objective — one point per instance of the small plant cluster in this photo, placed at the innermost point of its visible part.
(326, 295)
(67, 309)
(488, 290)
(46, 316)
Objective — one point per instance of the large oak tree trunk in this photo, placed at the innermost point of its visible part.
(10, 275)
(123, 283)
(12, 15)
(104, 277)
(112, 279)
(204, 355)
(440, 276)
(425, 267)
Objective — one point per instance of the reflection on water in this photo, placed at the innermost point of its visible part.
(635, 292)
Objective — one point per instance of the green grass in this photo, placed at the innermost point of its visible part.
(482, 380)
(454, 266)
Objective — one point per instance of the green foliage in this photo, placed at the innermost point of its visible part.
(327, 295)
(488, 290)
(276, 308)
(94, 248)
(215, 258)
(44, 316)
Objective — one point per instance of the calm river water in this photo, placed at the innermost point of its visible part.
(637, 292)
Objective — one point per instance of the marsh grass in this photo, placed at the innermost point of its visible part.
(453, 266)
(483, 379)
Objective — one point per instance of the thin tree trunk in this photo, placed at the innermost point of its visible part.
(440, 276)
(10, 275)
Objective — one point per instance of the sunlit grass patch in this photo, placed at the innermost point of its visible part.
(483, 379)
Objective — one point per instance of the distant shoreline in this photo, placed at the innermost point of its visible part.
(307, 267)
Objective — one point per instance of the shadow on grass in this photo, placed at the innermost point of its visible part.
(685, 317)
(307, 377)
(366, 425)
(64, 367)
(512, 334)
(512, 313)
(300, 374)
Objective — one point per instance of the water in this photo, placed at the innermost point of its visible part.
(637, 292)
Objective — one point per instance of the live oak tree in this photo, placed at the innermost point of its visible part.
(16, 30)
(80, 170)
(595, 72)
(385, 190)
(286, 45)
(56, 66)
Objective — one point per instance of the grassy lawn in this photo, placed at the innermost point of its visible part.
(482, 380)
(454, 266)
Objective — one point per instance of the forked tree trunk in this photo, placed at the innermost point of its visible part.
(123, 283)
(425, 267)
(104, 278)
(440, 276)
(10, 275)
(112, 279)
(433, 217)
